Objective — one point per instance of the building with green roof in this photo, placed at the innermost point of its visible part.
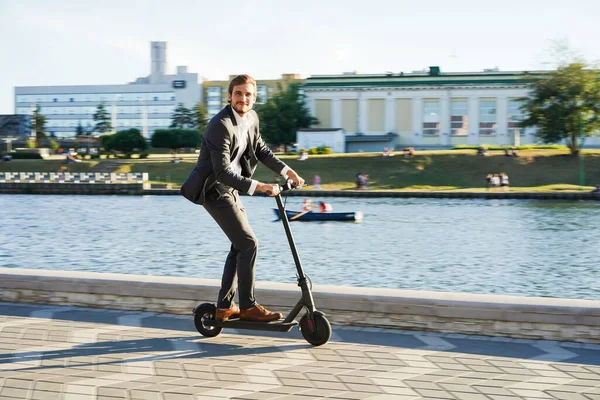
(426, 109)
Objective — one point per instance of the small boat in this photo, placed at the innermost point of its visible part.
(321, 216)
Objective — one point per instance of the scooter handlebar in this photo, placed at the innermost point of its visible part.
(288, 185)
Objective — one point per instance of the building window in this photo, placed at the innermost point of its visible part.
(487, 117)
(172, 98)
(155, 98)
(514, 117)
(431, 117)
(262, 94)
(460, 118)
(213, 91)
(55, 100)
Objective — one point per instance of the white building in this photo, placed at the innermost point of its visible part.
(317, 137)
(146, 104)
(423, 109)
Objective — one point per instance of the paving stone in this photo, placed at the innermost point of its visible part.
(144, 395)
(453, 387)
(9, 392)
(44, 395)
(114, 392)
(352, 395)
(469, 396)
(493, 390)
(421, 385)
(18, 383)
(538, 394)
(48, 386)
(568, 396)
(177, 396)
(436, 394)
(257, 396)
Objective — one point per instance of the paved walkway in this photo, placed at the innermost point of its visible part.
(78, 353)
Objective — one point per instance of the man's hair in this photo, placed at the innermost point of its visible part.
(240, 80)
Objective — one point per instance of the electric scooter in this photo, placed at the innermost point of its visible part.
(314, 325)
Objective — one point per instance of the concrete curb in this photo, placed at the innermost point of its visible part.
(493, 315)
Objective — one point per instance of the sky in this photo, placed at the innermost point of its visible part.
(84, 42)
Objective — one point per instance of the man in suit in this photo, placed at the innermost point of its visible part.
(231, 148)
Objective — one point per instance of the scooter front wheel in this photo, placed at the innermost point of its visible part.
(317, 332)
(203, 313)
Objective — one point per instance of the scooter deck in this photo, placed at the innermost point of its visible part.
(237, 323)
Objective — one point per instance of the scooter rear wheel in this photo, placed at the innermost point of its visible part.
(203, 313)
(318, 334)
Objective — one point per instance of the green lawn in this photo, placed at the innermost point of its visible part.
(533, 170)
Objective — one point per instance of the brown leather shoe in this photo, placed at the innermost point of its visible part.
(223, 314)
(259, 313)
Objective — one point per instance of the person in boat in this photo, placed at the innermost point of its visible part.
(307, 205)
(324, 207)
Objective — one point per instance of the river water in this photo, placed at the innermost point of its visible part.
(519, 247)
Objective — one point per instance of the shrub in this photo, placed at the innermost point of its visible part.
(320, 150)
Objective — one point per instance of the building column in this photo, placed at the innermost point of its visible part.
(473, 121)
(502, 136)
(417, 120)
(390, 115)
(311, 104)
(336, 113)
(445, 113)
(362, 112)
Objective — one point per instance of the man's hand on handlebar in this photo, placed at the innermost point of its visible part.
(270, 189)
(297, 179)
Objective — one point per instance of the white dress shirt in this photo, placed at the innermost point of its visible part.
(243, 125)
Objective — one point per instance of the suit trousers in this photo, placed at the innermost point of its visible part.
(226, 208)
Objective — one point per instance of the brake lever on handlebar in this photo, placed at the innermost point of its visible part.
(288, 185)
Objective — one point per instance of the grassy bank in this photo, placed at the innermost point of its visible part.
(533, 170)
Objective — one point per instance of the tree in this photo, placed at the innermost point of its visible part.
(102, 119)
(89, 129)
(124, 141)
(283, 114)
(38, 122)
(199, 117)
(54, 145)
(79, 130)
(182, 117)
(564, 105)
(174, 139)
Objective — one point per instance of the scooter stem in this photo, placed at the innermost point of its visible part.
(290, 237)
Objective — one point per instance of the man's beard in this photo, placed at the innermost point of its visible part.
(239, 108)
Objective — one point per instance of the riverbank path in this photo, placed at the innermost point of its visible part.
(70, 353)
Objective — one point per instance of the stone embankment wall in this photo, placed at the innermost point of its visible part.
(493, 315)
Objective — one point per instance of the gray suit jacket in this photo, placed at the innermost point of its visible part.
(219, 146)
